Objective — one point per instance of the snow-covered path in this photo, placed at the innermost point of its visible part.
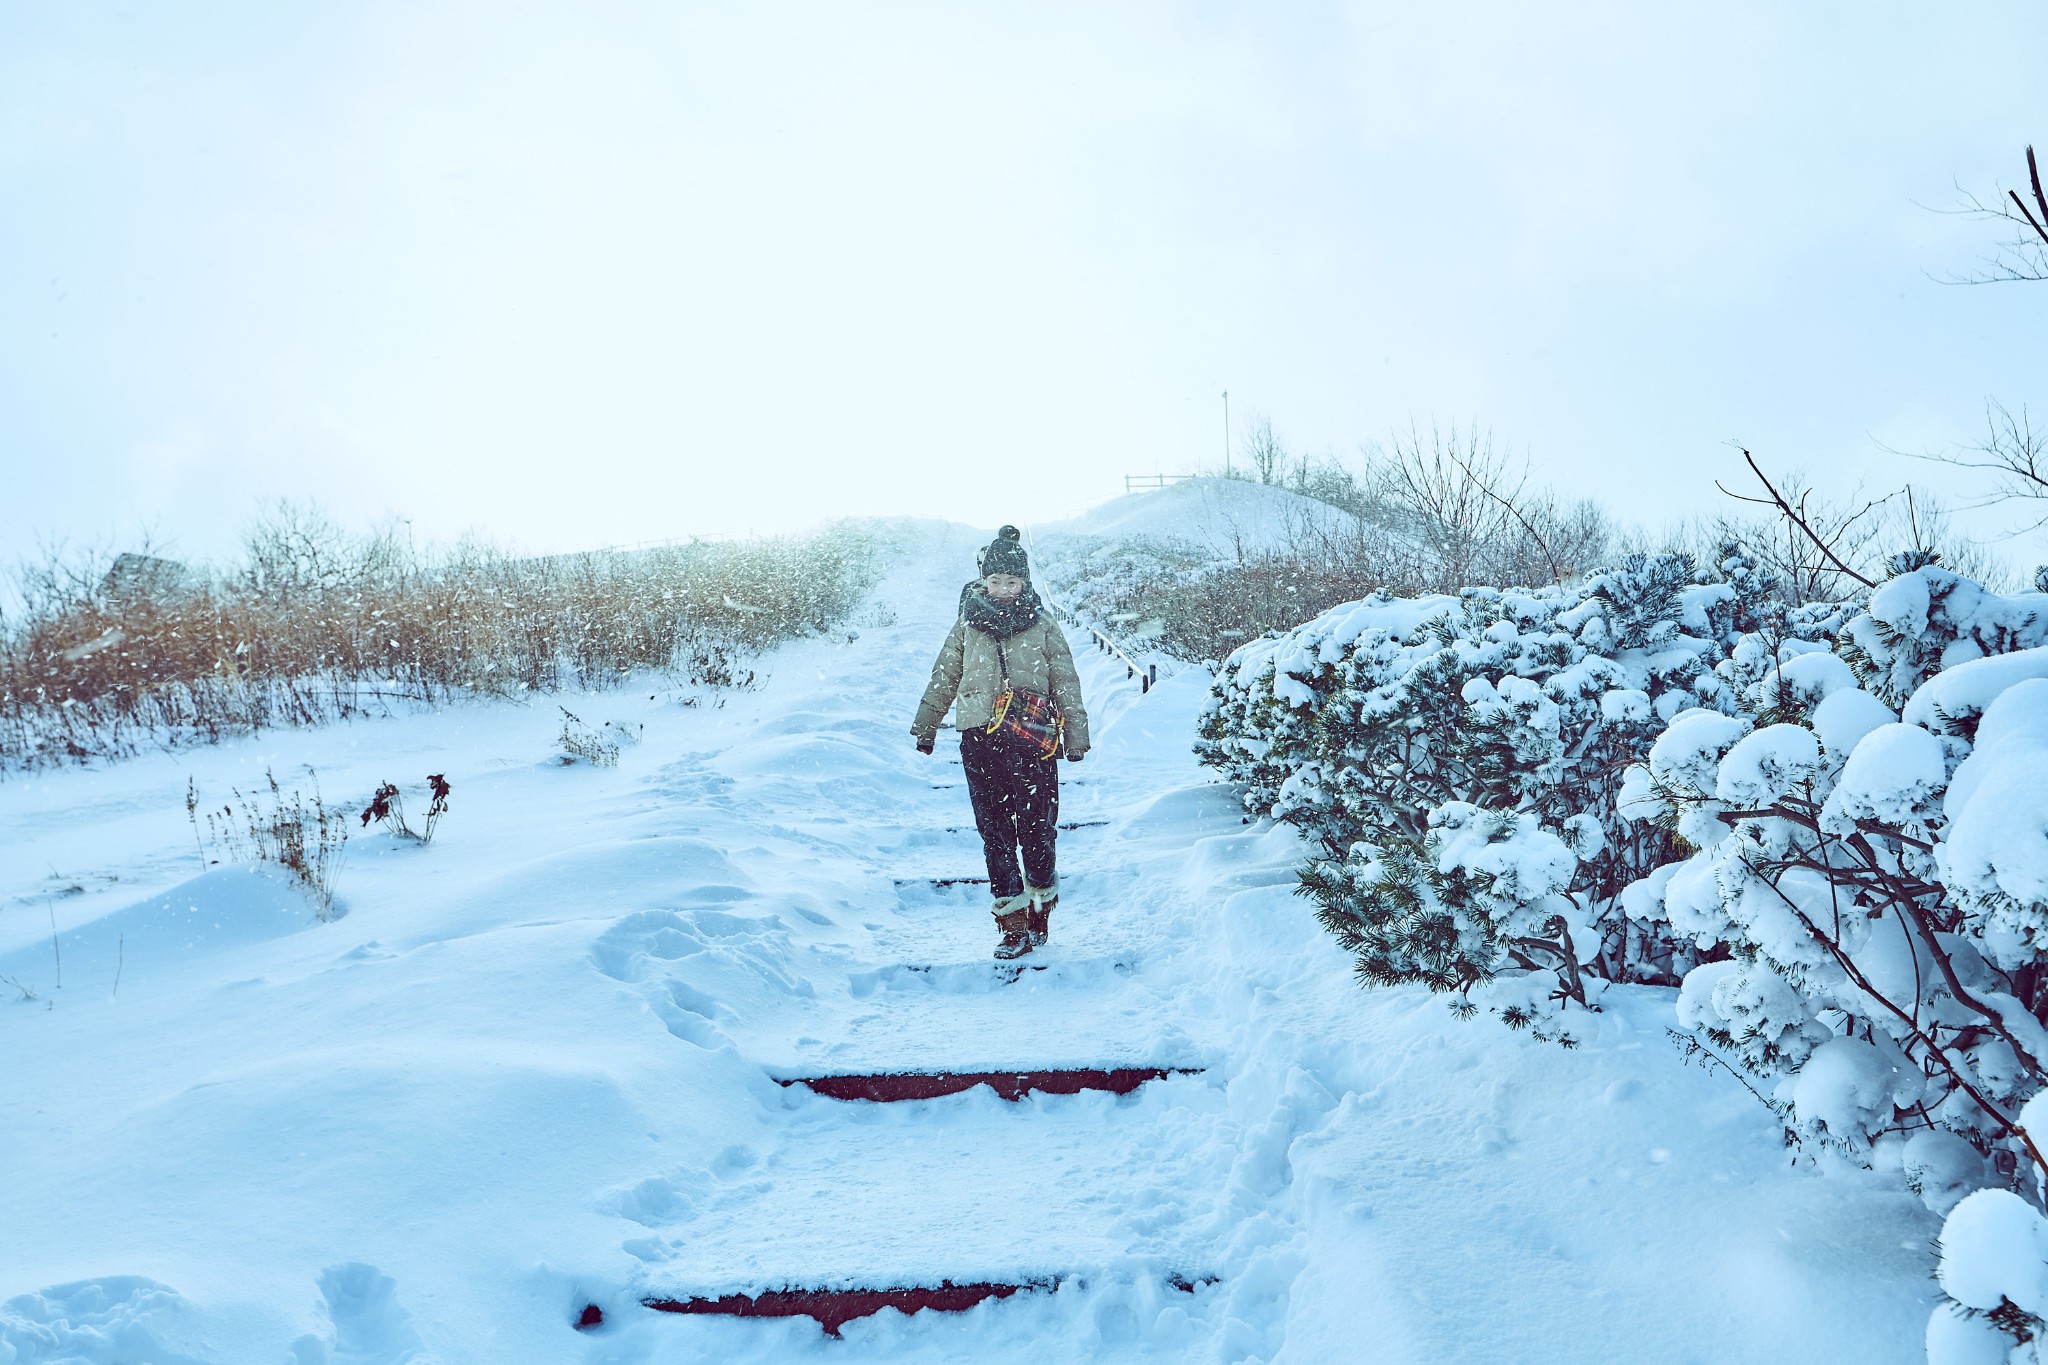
(536, 1067)
(966, 1188)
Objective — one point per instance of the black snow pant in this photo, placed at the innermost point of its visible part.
(1016, 798)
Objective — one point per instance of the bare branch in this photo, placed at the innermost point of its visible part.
(1556, 574)
(2027, 213)
(1786, 510)
(2024, 258)
(2013, 453)
(2034, 175)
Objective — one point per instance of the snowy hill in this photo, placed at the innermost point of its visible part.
(1223, 518)
(535, 1068)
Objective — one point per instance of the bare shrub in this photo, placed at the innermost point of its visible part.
(707, 665)
(387, 807)
(1477, 516)
(2023, 256)
(303, 835)
(1435, 513)
(1830, 548)
(580, 739)
(1263, 452)
(1329, 480)
(1455, 510)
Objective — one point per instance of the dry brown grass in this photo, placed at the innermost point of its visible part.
(303, 835)
(314, 625)
(1209, 614)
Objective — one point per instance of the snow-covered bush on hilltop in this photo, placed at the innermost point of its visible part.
(1461, 762)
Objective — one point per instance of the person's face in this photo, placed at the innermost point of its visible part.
(1003, 587)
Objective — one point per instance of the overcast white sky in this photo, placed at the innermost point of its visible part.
(596, 273)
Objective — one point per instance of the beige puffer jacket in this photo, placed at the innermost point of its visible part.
(967, 678)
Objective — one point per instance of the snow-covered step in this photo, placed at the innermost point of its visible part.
(1065, 782)
(1093, 896)
(895, 1086)
(834, 1308)
(979, 973)
(967, 1188)
(960, 933)
(1065, 826)
(931, 1021)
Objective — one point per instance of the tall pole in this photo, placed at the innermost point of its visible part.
(1226, 433)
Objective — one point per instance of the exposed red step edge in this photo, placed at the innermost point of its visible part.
(888, 1087)
(834, 1308)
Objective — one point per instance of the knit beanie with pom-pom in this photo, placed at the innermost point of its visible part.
(1004, 554)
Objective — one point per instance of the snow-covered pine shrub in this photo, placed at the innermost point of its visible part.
(1926, 619)
(1832, 822)
(1461, 762)
(1994, 1268)
(1870, 847)
(1855, 838)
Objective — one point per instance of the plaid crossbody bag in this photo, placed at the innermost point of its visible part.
(1027, 718)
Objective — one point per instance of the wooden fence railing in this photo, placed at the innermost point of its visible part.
(1134, 482)
(1146, 674)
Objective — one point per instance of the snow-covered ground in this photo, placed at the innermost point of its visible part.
(534, 1067)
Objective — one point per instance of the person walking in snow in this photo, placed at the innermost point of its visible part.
(1008, 675)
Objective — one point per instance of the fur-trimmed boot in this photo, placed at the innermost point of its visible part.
(1013, 922)
(1043, 900)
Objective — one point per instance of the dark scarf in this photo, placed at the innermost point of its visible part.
(999, 619)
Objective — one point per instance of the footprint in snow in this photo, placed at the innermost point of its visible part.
(368, 1325)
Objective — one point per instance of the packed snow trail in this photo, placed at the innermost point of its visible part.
(965, 1188)
(535, 1067)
